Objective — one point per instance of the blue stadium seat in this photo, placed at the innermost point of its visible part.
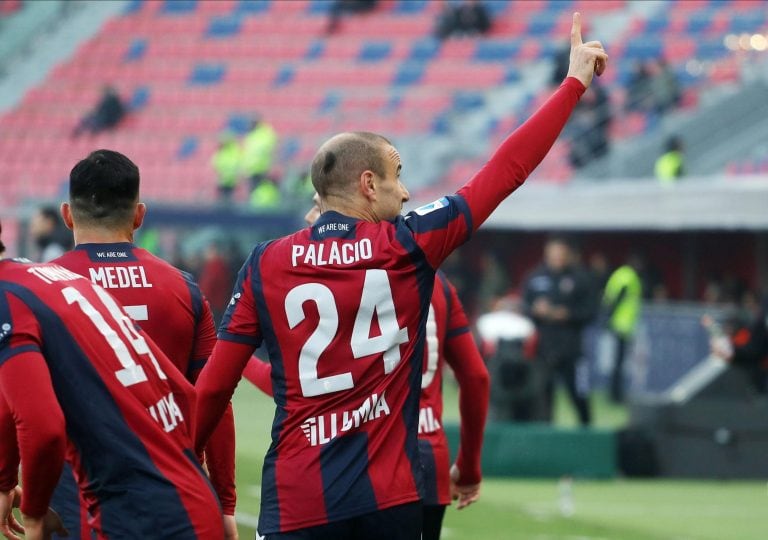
(711, 49)
(133, 6)
(289, 149)
(330, 102)
(252, 6)
(646, 49)
(747, 22)
(512, 76)
(541, 24)
(656, 24)
(188, 147)
(139, 98)
(425, 49)
(466, 101)
(175, 7)
(375, 51)
(409, 73)
(226, 26)
(699, 21)
(317, 7)
(393, 103)
(315, 50)
(496, 51)
(136, 50)
(409, 6)
(239, 124)
(205, 74)
(284, 76)
(496, 6)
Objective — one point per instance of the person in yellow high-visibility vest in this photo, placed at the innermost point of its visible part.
(226, 161)
(622, 300)
(669, 166)
(258, 150)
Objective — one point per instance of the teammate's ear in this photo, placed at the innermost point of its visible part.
(138, 217)
(66, 214)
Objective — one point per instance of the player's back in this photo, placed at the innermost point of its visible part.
(341, 307)
(165, 301)
(128, 436)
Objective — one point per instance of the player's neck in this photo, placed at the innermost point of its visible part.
(101, 236)
(350, 208)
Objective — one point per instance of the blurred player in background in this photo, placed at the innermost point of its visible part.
(104, 211)
(78, 378)
(342, 307)
(447, 339)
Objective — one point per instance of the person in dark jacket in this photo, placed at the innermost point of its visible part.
(558, 296)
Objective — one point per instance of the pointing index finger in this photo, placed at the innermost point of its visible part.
(576, 30)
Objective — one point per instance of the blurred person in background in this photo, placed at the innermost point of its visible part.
(588, 128)
(49, 234)
(106, 115)
(670, 166)
(468, 18)
(622, 301)
(216, 278)
(258, 151)
(104, 211)
(226, 161)
(559, 297)
(665, 87)
(341, 7)
(743, 343)
(449, 341)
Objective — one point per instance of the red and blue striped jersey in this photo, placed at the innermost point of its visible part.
(342, 308)
(166, 302)
(449, 340)
(344, 325)
(127, 410)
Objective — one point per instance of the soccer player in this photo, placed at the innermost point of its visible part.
(447, 339)
(104, 211)
(342, 307)
(77, 376)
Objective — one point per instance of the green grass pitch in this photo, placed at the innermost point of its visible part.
(512, 509)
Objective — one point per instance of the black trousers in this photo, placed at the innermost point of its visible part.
(433, 521)
(566, 369)
(401, 522)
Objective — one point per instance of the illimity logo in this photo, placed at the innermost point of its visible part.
(323, 429)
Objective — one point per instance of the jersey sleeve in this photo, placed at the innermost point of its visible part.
(462, 354)
(220, 460)
(39, 422)
(240, 322)
(457, 319)
(259, 373)
(216, 384)
(9, 449)
(205, 339)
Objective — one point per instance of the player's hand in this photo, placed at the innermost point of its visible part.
(466, 495)
(587, 59)
(42, 528)
(8, 524)
(230, 528)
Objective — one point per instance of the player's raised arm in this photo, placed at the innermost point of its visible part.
(527, 146)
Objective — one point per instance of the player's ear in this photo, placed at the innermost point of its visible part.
(66, 214)
(368, 185)
(138, 217)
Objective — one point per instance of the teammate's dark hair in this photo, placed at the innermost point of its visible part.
(2, 246)
(341, 160)
(104, 189)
